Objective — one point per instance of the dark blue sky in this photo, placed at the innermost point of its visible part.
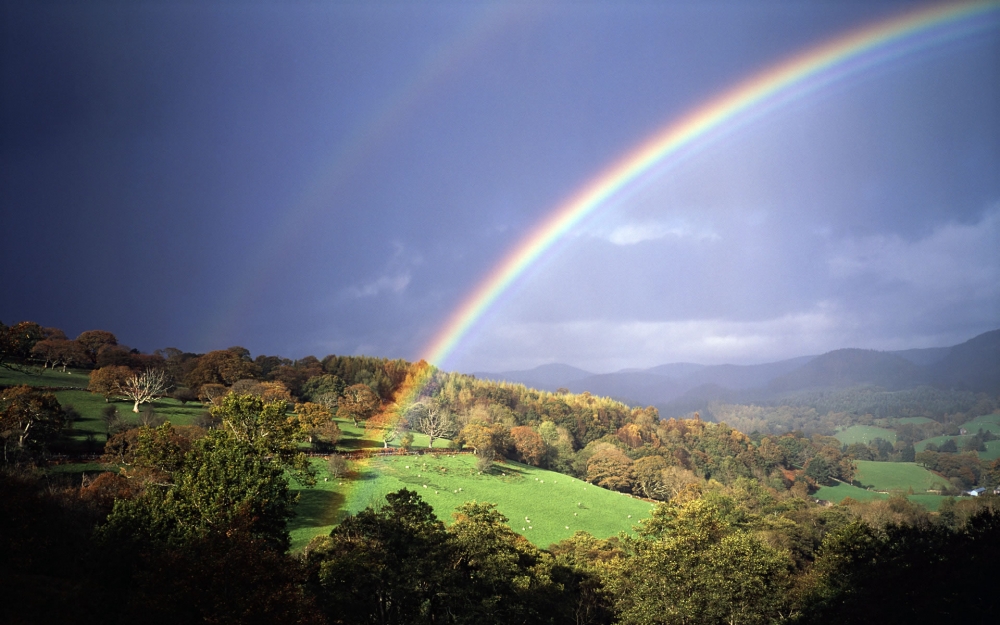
(333, 177)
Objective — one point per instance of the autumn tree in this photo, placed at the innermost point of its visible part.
(108, 381)
(212, 393)
(317, 424)
(144, 387)
(610, 468)
(488, 440)
(16, 342)
(529, 444)
(268, 391)
(59, 352)
(359, 403)
(29, 420)
(226, 367)
(92, 341)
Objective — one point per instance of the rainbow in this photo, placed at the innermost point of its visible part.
(804, 73)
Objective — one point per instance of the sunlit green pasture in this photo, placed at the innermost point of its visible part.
(79, 378)
(89, 432)
(543, 506)
(842, 491)
(901, 476)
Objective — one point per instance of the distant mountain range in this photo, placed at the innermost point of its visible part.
(970, 366)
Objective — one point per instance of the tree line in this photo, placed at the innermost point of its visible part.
(190, 522)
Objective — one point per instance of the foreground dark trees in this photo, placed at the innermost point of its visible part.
(211, 549)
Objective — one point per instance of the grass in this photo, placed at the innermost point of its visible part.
(79, 378)
(864, 434)
(842, 491)
(88, 432)
(901, 476)
(914, 420)
(987, 423)
(992, 451)
(354, 437)
(557, 505)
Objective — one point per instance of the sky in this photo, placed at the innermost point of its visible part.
(337, 177)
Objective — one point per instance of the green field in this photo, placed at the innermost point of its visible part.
(557, 505)
(988, 423)
(354, 437)
(992, 451)
(914, 420)
(842, 491)
(864, 434)
(901, 476)
(79, 378)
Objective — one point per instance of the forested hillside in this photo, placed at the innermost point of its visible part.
(188, 501)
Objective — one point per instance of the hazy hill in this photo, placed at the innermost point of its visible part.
(543, 377)
(678, 388)
(972, 366)
(633, 387)
(745, 376)
(852, 367)
(927, 356)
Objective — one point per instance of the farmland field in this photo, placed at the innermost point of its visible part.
(842, 491)
(864, 434)
(555, 505)
(902, 476)
(987, 423)
(914, 420)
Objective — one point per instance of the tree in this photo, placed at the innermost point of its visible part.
(212, 393)
(264, 427)
(488, 440)
(16, 342)
(223, 488)
(144, 387)
(317, 424)
(510, 580)
(108, 381)
(610, 468)
(389, 564)
(221, 367)
(435, 422)
(649, 477)
(268, 391)
(819, 470)
(529, 444)
(323, 385)
(688, 565)
(92, 341)
(29, 420)
(59, 352)
(359, 403)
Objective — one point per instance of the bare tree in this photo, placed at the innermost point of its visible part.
(144, 387)
(435, 423)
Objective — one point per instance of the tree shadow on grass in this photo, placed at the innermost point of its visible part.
(316, 508)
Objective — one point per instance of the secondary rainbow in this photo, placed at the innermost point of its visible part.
(803, 73)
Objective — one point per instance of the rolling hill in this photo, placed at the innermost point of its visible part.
(679, 388)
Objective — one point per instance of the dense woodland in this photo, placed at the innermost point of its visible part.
(189, 523)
